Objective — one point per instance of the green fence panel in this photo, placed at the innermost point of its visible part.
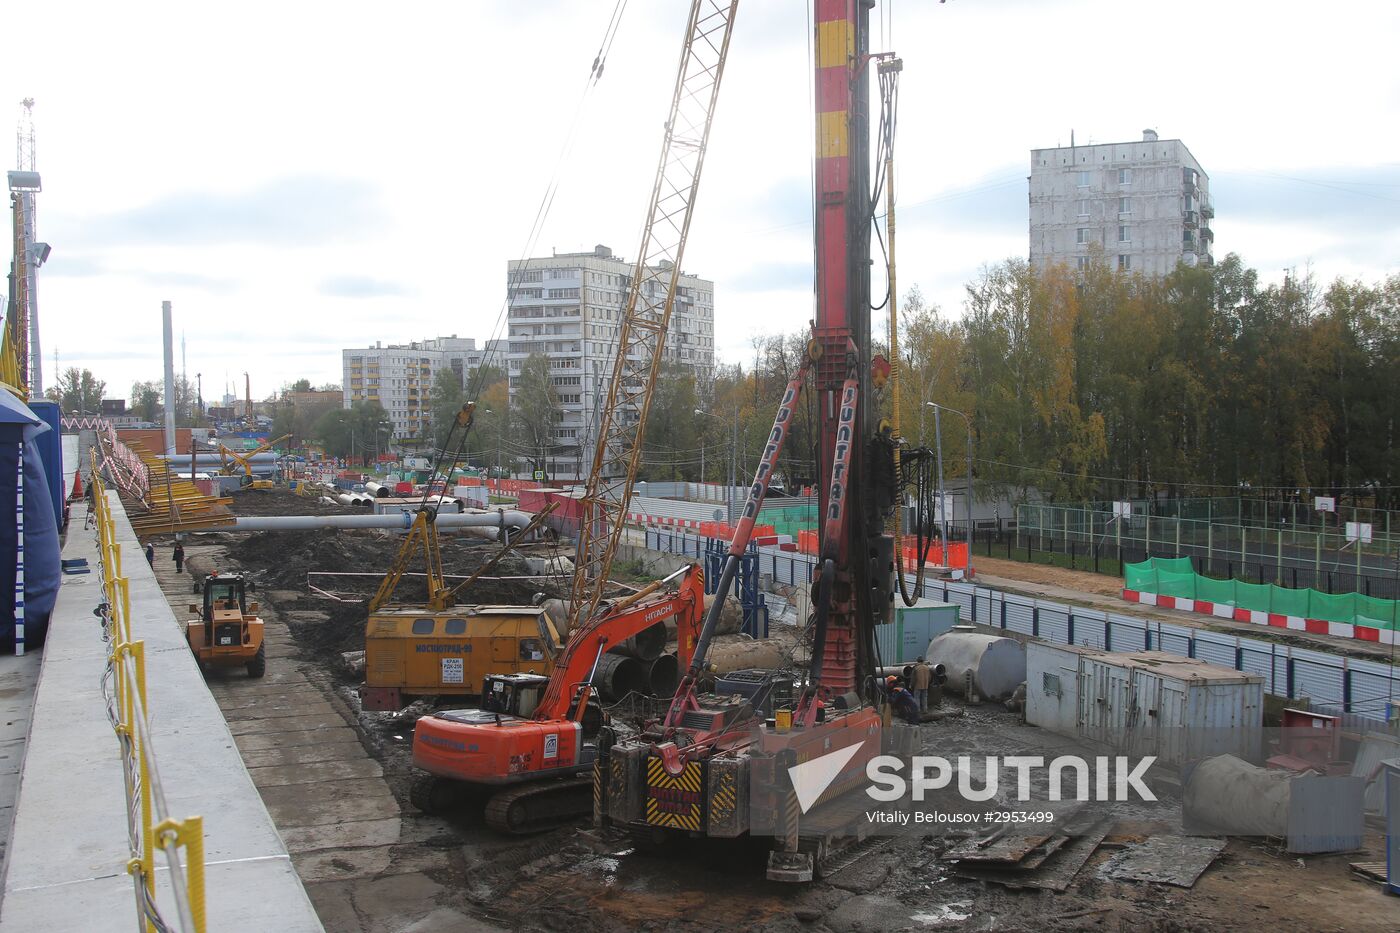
(1288, 602)
(1141, 577)
(1380, 613)
(1333, 608)
(1254, 596)
(1176, 584)
(1220, 592)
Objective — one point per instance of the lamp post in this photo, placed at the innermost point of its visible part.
(733, 460)
(967, 571)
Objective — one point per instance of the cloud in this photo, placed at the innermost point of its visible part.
(771, 276)
(73, 265)
(293, 211)
(1360, 198)
(360, 286)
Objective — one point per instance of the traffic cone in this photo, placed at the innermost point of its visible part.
(77, 492)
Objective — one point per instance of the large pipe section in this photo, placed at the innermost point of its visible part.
(501, 520)
(646, 645)
(665, 676)
(995, 665)
(619, 675)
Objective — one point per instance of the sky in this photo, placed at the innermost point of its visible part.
(298, 178)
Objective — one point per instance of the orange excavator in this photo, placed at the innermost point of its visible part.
(532, 744)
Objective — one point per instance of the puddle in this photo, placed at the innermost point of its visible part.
(956, 912)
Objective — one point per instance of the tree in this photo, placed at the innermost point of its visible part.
(77, 391)
(145, 400)
(536, 411)
(671, 429)
(444, 402)
(359, 432)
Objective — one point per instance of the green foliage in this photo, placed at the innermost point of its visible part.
(77, 391)
(536, 410)
(359, 433)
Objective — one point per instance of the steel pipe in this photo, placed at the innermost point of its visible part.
(501, 519)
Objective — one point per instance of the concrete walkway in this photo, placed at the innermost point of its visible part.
(19, 679)
(69, 849)
(362, 860)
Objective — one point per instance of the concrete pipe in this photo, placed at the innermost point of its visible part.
(1226, 794)
(378, 490)
(761, 654)
(619, 675)
(558, 612)
(345, 498)
(665, 676)
(646, 645)
(327, 500)
(731, 617)
(996, 665)
(365, 501)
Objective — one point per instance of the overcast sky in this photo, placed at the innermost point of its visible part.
(301, 177)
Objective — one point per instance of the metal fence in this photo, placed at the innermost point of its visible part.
(149, 824)
(1360, 691)
(1256, 513)
(1284, 555)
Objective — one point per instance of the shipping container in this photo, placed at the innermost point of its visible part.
(1146, 703)
(907, 637)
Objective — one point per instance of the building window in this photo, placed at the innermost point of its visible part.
(1084, 179)
(561, 273)
(1125, 206)
(1083, 263)
(1081, 236)
(1125, 234)
(1083, 207)
(1125, 176)
(1125, 262)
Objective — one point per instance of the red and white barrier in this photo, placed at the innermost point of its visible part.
(1271, 619)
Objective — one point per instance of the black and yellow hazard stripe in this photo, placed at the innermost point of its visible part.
(690, 780)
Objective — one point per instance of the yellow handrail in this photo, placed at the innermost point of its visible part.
(149, 825)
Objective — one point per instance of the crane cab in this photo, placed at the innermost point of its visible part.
(513, 694)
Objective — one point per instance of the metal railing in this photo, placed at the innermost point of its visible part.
(149, 824)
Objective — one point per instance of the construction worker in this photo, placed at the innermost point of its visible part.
(905, 706)
(919, 680)
(178, 556)
(151, 556)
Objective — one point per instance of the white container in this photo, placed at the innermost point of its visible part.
(1148, 703)
(997, 665)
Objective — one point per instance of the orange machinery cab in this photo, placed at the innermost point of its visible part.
(227, 632)
(501, 743)
(411, 653)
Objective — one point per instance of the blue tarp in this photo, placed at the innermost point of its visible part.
(42, 574)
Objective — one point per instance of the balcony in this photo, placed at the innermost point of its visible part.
(1207, 234)
(1207, 210)
(1189, 218)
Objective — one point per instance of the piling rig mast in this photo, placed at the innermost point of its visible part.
(715, 767)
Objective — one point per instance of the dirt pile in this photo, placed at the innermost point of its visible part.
(281, 502)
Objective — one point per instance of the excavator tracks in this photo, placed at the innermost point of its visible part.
(536, 807)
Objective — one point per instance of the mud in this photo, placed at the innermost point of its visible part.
(568, 879)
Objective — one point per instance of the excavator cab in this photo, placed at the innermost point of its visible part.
(513, 694)
(228, 632)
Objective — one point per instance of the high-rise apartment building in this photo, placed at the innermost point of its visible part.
(568, 308)
(400, 376)
(1143, 206)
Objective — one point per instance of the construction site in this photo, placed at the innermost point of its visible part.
(257, 685)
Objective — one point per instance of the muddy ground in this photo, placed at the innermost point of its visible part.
(565, 880)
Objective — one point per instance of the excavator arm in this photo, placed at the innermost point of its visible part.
(574, 670)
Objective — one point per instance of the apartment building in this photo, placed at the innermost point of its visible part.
(400, 376)
(568, 307)
(1142, 206)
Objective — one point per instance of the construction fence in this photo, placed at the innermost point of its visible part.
(1363, 693)
(1294, 557)
(150, 827)
(1175, 577)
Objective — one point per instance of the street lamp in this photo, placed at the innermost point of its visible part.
(733, 460)
(938, 441)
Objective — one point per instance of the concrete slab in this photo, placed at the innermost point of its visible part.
(279, 710)
(384, 905)
(257, 739)
(296, 810)
(69, 850)
(328, 720)
(350, 750)
(316, 772)
(375, 832)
